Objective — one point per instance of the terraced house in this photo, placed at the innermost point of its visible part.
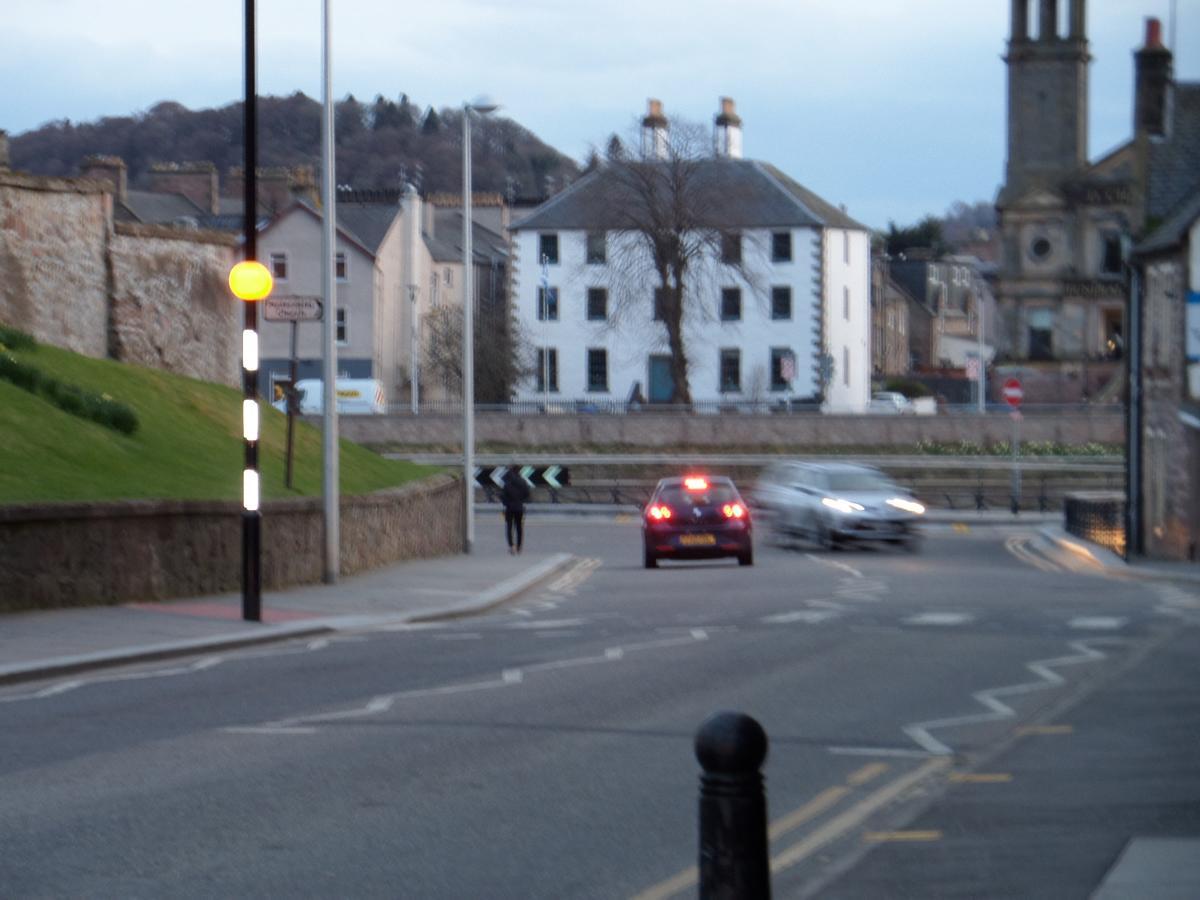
(774, 301)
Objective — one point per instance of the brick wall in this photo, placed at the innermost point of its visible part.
(61, 555)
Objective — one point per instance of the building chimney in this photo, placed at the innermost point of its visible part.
(1048, 21)
(197, 181)
(109, 169)
(727, 131)
(655, 138)
(1152, 90)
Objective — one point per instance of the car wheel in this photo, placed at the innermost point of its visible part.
(649, 560)
(746, 559)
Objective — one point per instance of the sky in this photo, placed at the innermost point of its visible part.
(894, 108)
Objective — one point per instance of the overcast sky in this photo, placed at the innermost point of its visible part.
(894, 108)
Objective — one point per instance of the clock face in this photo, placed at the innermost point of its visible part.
(1039, 248)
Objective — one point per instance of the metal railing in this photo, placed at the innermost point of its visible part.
(1097, 516)
(773, 406)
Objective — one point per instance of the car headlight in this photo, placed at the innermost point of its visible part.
(909, 506)
(842, 506)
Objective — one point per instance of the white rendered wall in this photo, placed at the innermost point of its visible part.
(631, 336)
(848, 337)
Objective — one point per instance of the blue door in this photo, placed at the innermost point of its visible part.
(662, 385)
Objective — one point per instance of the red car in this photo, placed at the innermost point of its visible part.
(696, 517)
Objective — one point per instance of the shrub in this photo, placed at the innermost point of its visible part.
(99, 408)
(15, 340)
(907, 387)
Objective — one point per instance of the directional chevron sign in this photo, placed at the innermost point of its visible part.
(534, 476)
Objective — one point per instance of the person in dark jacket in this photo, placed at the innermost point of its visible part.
(513, 495)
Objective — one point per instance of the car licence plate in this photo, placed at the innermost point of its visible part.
(697, 540)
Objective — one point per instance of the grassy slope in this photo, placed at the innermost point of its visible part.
(188, 445)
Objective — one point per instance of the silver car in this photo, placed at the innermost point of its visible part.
(833, 503)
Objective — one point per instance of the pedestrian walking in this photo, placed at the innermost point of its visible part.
(513, 495)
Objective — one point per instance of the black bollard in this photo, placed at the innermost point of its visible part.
(731, 748)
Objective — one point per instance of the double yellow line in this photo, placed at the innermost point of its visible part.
(817, 806)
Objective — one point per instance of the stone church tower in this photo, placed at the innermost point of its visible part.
(1060, 289)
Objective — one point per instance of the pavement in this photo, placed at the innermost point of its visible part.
(50, 643)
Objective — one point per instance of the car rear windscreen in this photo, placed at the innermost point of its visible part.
(713, 495)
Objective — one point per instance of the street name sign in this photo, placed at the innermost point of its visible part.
(292, 308)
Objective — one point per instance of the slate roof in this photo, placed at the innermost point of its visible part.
(445, 244)
(153, 208)
(1174, 164)
(369, 222)
(734, 193)
(1171, 233)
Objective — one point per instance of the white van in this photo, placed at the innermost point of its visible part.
(355, 396)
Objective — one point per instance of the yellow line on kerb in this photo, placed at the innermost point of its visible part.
(889, 837)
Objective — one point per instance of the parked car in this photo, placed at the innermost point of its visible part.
(890, 402)
(832, 503)
(696, 517)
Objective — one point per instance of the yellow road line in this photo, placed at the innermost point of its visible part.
(855, 816)
(810, 810)
(961, 527)
(867, 773)
(888, 837)
(980, 777)
(672, 886)
(1045, 729)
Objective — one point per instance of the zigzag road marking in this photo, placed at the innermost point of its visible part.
(919, 732)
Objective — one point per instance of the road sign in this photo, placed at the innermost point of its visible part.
(292, 308)
(1013, 395)
(534, 476)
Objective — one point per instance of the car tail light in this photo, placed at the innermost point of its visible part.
(734, 511)
(695, 483)
(659, 513)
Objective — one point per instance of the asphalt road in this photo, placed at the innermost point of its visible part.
(545, 750)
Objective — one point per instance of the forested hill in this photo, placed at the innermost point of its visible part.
(378, 144)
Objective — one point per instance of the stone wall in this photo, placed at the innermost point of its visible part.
(53, 260)
(61, 555)
(148, 295)
(171, 306)
(733, 431)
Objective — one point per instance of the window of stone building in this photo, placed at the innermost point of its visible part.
(660, 304)
(1041, 334)
(731, 247)
(547, 304)
(597, 249)
(781, 302)
(341, 267)
(846, 366)
(731, 304)
(781, 246)
(548, 249)
(547, 369)
(597, 370)
(1111, 263)
(778, 382)
(343, 325)
(731, 370)
(279, 266)
(597, 304)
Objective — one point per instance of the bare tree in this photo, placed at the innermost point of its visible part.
(500, 352)
(665, 208)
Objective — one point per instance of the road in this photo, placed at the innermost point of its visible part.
(545, 750)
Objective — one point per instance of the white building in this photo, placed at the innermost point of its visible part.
(785, 290)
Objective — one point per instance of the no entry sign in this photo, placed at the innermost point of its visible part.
(1013, 395)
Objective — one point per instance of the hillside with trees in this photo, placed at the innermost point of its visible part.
(379, 144)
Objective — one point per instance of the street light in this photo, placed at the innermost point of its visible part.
(250, 282)
(483, 106)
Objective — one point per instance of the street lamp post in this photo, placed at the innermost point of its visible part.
(483, 106)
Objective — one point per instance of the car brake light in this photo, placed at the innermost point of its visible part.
(659, 513)
(695, 484)
(734, 511)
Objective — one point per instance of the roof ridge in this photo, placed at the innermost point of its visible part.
(764, 168)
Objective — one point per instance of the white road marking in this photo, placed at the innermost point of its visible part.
(808, 616)
(878, 751)
(457, 636)
(936, 618)
(919, 732)
(848, 569)
(547, 623)
(1098, 623)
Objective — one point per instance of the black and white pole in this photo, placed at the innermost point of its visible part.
(731, 748)
(250, 282)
